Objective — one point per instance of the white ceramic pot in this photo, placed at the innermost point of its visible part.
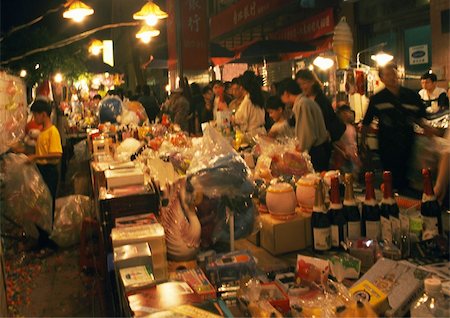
(306, 190)
(281, 200)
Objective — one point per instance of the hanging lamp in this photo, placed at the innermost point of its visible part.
(77, 10)
(151, 13)
(146, 33)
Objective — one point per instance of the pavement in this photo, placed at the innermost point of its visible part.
(51, 284)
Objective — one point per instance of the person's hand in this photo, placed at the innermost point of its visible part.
(31, 157)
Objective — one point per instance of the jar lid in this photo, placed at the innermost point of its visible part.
(280, 188)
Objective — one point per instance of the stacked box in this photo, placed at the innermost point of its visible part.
(153, 234)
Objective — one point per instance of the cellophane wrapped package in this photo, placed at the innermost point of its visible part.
(69, 214)
(280, 158)
(222, 179)
(28, 200)
(13, 110)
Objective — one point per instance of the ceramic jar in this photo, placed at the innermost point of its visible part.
(281, 200)
(306, 190)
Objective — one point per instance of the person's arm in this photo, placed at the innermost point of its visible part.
(420, 120)
(49, 156)
(443, 100)
(305, 125)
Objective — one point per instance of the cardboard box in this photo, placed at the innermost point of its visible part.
(132, 255)
(279, 236)
(401, 281)
(255, 238)
(124, 177)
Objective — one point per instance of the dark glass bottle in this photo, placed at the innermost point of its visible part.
(320, 223)
(430, 210)
(338, 220)
(370, 218)
(389, 212)
(351, 209)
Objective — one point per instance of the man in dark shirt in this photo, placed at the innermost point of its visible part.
(149, 102)
(397, 109)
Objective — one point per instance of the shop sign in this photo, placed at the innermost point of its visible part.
(194, 34)
(172, 36)
(418, 54)
(241, 13)
(309, 29)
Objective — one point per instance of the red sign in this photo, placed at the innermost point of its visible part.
(171, 36)
(194, 34)
(308, 29)
(241, 13)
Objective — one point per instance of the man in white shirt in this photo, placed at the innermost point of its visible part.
(435, 98)
(310, 129)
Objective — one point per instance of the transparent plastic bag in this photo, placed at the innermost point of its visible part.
(13, 110)
(133, 113)
(221, 178)
(280, 157)
(69, 214)
(28, 200)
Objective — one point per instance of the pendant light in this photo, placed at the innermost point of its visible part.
(77, 10)
(151, 13)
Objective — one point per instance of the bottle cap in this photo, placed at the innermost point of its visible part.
(432, 285)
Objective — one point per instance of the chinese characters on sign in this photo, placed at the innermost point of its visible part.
(308, 29)
(194, 34)
(242, 12)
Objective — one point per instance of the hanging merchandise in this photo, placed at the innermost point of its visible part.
(360, 82)
(13, 110)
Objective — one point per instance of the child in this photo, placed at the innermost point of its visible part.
(345, 155)
(280, 128)
(48, 152)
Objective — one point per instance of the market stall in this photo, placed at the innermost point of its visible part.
(170, 208)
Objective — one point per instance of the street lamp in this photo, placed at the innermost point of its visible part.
(151, 13)
(77, 10)
(379, 58)
(324, 63)
(146, 33)
(382, 58)
(96, 47)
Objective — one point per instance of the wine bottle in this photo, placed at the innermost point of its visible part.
(429, 209)
(338, 220)
(370, 219)
(320, 222)
(389, 212)
(351, 209)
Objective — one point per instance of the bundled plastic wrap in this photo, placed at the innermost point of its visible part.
(280, 157)
(133, 113)
(28, 200)
(69, 214)
(126, 148)
(13, 111)
(220, 177)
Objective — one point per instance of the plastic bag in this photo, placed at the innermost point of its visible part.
(220, 177)
(133, 113)
(13, 110)
(280, 157)
(28, 200)
(69, 214)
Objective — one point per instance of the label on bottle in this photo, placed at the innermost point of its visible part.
(430, 227)
(322, 238)
(335, 239)
(386, 231)
(373, 230)
(354, 230)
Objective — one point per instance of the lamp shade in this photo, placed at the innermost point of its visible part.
(95, 47)
(77, 11)
(382, 58)
(146, 33)
(151, 13)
